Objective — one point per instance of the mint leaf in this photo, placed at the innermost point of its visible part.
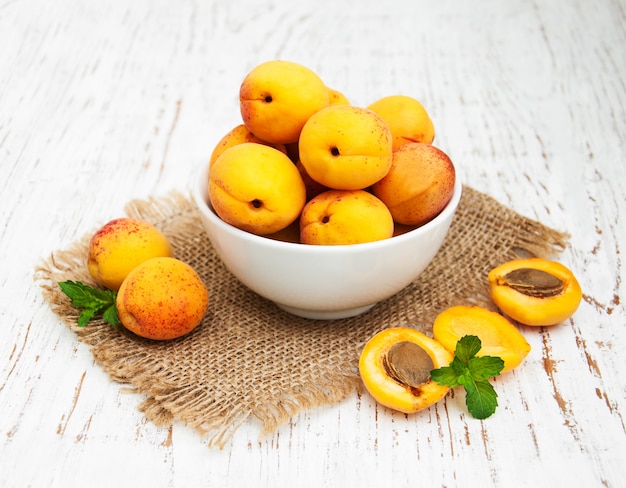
(466, 348)
(110, 315)
(92, 302)
(472, 372)
(485, 367)
(481, 399)
(446, 376)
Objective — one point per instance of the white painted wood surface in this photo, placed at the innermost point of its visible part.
(104, 102)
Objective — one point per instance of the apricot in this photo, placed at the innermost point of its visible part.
(535, 291)
(238, 135)
(345, 147)
(313, 188)
(497, 335)
(277, 97)
(395, 367)
(337, 217)
(119, 246)
(407, 118)
(419, 184)
(256, 188)
(162, 299)
(335, 97)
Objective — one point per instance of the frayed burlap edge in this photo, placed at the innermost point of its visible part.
(166, 399)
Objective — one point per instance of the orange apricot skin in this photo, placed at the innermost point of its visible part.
(387, 391)
(497, 335)
(162, 299)
(535, 311)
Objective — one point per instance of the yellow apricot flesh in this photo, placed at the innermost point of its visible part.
(497, 335)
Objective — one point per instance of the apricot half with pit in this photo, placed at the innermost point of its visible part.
(395, 367)
(535, 291)
(498, 336)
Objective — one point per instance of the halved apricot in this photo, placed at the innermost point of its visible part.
(535, 291)
(395, 367)
(497, 335)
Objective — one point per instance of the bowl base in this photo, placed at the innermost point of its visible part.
(325, 315)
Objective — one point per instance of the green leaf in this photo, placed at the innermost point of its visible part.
(446, 376)
(485, 367)
(466, 348)
(472, 372)
(110, 315)
(92, 302)
(481, 399)
(85, 316)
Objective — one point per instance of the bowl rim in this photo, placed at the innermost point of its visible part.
(200, 195)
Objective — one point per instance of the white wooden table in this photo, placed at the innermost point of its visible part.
(104, 102)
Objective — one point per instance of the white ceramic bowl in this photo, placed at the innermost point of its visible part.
(324, 282)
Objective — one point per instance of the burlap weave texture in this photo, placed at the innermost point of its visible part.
(249, 359)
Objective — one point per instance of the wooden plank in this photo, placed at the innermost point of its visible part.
(104, 103)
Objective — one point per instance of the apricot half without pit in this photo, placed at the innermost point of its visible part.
(395, 367)
(497, 335)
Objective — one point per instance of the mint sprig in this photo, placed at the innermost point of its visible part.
(92, 301)
(473, 373)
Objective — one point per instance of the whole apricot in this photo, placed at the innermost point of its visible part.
(497, 335)
(162, 299)
(256, 188)
(238, 135)
(337, 217)
(419, 184)
(407, 118)
(395, 367)
(119, 246)
(277, 97)
(345, 147)
(535, 291)
(313, 188)
(335, 97)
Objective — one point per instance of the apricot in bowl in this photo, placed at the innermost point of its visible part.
(323, 282)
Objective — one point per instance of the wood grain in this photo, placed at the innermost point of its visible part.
(101, 103)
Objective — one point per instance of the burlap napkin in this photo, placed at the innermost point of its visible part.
(249, 359)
